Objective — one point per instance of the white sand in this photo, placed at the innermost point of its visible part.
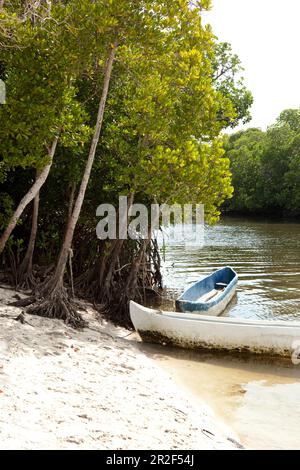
(91, 389)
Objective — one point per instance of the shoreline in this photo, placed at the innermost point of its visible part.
(93, 389)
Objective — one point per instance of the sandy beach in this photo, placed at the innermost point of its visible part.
(92, 389)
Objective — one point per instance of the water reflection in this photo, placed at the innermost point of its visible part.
(266, 256)
(259, 397)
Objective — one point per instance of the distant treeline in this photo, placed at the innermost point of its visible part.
(266, 168)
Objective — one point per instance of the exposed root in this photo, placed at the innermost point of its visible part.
(118, 311)
(120, 273)
(7, 278)
(21, 318)
(22, 302)
(58, 305)
(26, 280)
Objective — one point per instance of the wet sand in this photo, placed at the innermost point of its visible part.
(259, 398)
(103, 389)
(92, 389)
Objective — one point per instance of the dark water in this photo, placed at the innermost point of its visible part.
(266, 256)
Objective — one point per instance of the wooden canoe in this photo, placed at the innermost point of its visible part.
(211, 294)
(194, 331)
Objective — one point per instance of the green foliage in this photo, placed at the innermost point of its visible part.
(266, 167)
(245, 150)
(174, 89)
(164, 144)
(40, 68)
(6, 207)
(227, 76)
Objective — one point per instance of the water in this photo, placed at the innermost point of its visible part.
(259, 398)
(266, 256)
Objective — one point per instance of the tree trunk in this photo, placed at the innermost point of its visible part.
(132, 278)
(25, 275)
(53, 299)
(31, 194)
(64, 253)
(71, 199)
(117, 248)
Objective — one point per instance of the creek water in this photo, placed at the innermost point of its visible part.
(258, 397)
(266, 256)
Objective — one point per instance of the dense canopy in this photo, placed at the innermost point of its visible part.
(106, 98)
(266, 168)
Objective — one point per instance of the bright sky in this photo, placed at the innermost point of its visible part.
(265, 34)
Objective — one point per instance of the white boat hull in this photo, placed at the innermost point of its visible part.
(189, 330)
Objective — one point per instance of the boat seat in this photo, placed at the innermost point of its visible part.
(220, 285)
(210, 295)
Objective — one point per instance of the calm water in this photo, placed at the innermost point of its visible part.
(258, 397)
(266, 256)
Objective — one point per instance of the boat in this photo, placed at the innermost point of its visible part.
(211, 294)
(194, 331)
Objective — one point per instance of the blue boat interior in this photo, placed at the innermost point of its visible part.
(218, 280)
